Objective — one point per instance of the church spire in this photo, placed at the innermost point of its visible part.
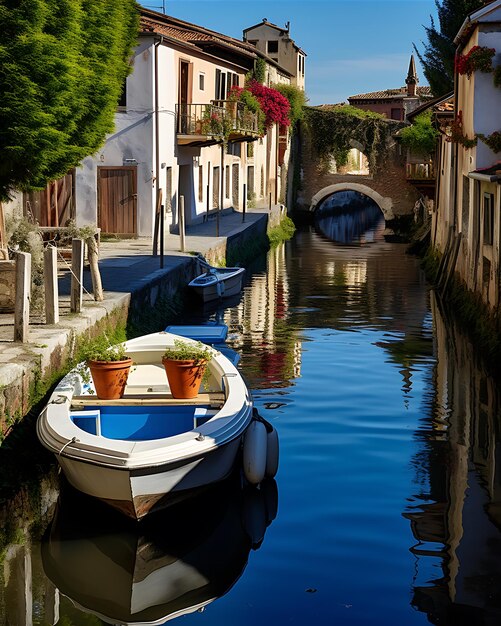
(412, 80)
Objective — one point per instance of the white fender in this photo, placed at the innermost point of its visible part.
(254, 516)
(272, 453)
(254, 453)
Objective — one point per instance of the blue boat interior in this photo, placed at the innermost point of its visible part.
(140, 423)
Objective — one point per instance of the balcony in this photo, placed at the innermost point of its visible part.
(199, 124)
(421, 175)
(241, 123)
(208, 124)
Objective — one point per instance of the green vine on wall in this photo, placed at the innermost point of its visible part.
(333, 129)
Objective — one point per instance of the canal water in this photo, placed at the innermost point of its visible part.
(384, 509)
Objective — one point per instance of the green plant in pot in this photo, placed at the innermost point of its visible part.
(185, 364)
(109, 367)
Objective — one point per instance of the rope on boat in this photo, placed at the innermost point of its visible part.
(72, 440)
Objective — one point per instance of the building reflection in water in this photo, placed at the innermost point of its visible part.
(172, 563)
(349, 217)
(456, 518)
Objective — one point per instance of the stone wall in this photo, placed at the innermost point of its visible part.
(390, 184)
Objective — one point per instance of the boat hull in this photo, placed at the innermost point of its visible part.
(138, 492)
(147, 450)
(218, 283)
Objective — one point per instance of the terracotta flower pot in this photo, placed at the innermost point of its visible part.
(110, 377)
(184, 377)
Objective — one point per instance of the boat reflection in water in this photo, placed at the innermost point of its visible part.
(172, 563)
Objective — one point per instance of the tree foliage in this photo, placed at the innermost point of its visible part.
(335, 129)
(62, 68)
(437, 58)
(421, 137)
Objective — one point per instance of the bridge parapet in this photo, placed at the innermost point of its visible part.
(389, 187)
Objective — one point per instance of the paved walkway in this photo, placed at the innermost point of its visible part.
(125, 266)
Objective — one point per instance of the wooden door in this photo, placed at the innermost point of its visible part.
(184, 96)
(117, 200)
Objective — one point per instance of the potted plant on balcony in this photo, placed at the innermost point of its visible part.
(108, 365)
(185, 365)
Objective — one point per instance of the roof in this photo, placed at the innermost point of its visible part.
(475, 16)
(186, 33)
(443, 105)
(153, 22)
(281, 29)
(390, 94)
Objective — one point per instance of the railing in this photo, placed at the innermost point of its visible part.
(200, 119)
(420, 171)
(239, 117)
(220, 118)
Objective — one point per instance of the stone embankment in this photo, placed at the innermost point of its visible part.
(135, 285)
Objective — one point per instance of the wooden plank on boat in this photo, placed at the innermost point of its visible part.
(149, 400)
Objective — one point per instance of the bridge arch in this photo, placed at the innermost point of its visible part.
(384, 203)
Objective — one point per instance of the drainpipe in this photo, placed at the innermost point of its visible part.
(157, 147)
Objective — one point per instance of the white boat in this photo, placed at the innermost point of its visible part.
(147, 450)
(217, 282)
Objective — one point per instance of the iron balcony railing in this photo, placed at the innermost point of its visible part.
(200, 119)
(220, 118)
(239, 118)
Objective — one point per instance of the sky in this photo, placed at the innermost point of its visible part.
(352, 46)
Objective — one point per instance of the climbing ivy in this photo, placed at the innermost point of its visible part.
(332, 130)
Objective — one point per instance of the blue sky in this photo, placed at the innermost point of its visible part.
(352, 46)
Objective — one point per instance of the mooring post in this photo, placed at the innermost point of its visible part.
(269, 204)
(182, 238)
(22, 302)
(244, 208)
(51, 286)
(77, 261)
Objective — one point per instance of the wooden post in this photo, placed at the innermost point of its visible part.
(4, 253)
(162, 226)
(93, 256)
(157, 222)
(22, 305)
(181, 223)
(50, 285)
(269, 204)
(77, 261)
(245, 203)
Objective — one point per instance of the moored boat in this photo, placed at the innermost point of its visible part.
(146, 450)
(217, 282)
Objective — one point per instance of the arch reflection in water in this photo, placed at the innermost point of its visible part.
(350, 217)
(171, 564)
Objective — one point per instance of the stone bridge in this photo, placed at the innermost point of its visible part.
(389, 188)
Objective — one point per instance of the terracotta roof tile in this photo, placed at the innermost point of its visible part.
(423, 92)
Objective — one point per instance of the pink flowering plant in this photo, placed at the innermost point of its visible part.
(274, 105)
(478, 59)
(457, 133)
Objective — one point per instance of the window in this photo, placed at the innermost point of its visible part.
(227, 181)
(168, 190)
(396, 114)
(272, 46)
(252, 42)
(224, 82)
(488, 218)
(215, 187)
(200, 183)
(201, 82)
